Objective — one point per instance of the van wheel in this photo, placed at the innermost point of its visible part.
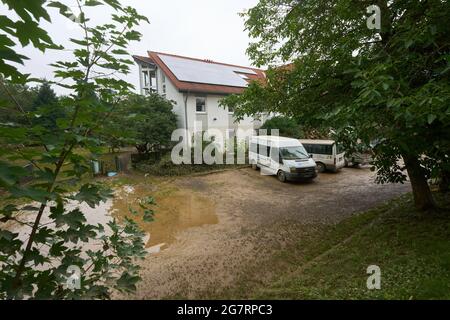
(281, 176)
(320, 167)
(254, 166)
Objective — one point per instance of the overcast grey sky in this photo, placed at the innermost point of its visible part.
(198, 28)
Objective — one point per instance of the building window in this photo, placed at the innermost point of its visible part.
(145, 78)
(163, 81)
(200, 104)
(149, 84)
(230, 109)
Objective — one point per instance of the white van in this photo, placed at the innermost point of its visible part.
(327, 154)
(280, 156)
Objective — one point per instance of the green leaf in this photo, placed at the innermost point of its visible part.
(43, 235)
(127, 282)
(431, 118)
(36, 256)
(120, 51)
(11, 175)
(80, 42)
(7, 212)
(32, 193)
(57, 249)
(74, 219)
(92, 194)
(149, 200)
(148, 215)
(133, 211)
(93, 3)
(7, 235)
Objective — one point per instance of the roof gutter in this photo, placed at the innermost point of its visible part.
(186, 96)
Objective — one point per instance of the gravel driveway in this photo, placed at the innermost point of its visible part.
(257, 215)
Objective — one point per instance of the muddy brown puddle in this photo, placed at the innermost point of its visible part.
(175, 210)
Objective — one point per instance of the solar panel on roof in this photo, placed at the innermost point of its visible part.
(205, 72)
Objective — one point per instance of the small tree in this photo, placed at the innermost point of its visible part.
(25, 96)
(145, 121)
(46, 109)
(287, 127)
(36, 263)
(45, 96)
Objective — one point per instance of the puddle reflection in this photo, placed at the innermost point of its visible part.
(175, 211)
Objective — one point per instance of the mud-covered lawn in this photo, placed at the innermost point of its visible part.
(256, 218)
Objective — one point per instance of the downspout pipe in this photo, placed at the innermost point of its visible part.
(186, 116)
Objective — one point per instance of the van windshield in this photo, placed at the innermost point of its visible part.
(292, 153)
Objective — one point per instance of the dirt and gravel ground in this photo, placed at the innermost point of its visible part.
(257, 216)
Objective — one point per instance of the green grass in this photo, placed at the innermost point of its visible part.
(330, 262)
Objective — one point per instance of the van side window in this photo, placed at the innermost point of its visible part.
(264, 150)
(327, 149)
(275, 154)
(319, 148)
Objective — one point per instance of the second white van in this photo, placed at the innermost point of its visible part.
(326, 153)
(284, 157)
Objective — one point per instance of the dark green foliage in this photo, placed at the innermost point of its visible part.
(46, 109)
(45, 97)
(145, 121)
(164, 166)
(25, 95)
(36, 263)
(287, 127)
(24, 30)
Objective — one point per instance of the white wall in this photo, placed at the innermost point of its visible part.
(172, 93)
(217, 117)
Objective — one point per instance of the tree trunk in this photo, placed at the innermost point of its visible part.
(423, 199)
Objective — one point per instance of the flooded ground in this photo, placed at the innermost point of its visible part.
(175, 210)
(256, 217)
(210, 229)
(94, 216)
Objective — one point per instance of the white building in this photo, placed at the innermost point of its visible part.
(196, 86)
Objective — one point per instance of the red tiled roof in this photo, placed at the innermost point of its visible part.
(186, 86)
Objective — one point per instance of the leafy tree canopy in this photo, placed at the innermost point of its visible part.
(46, 109)
(38, 263)
(24, 94)
(145, 121)
(287, 127)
